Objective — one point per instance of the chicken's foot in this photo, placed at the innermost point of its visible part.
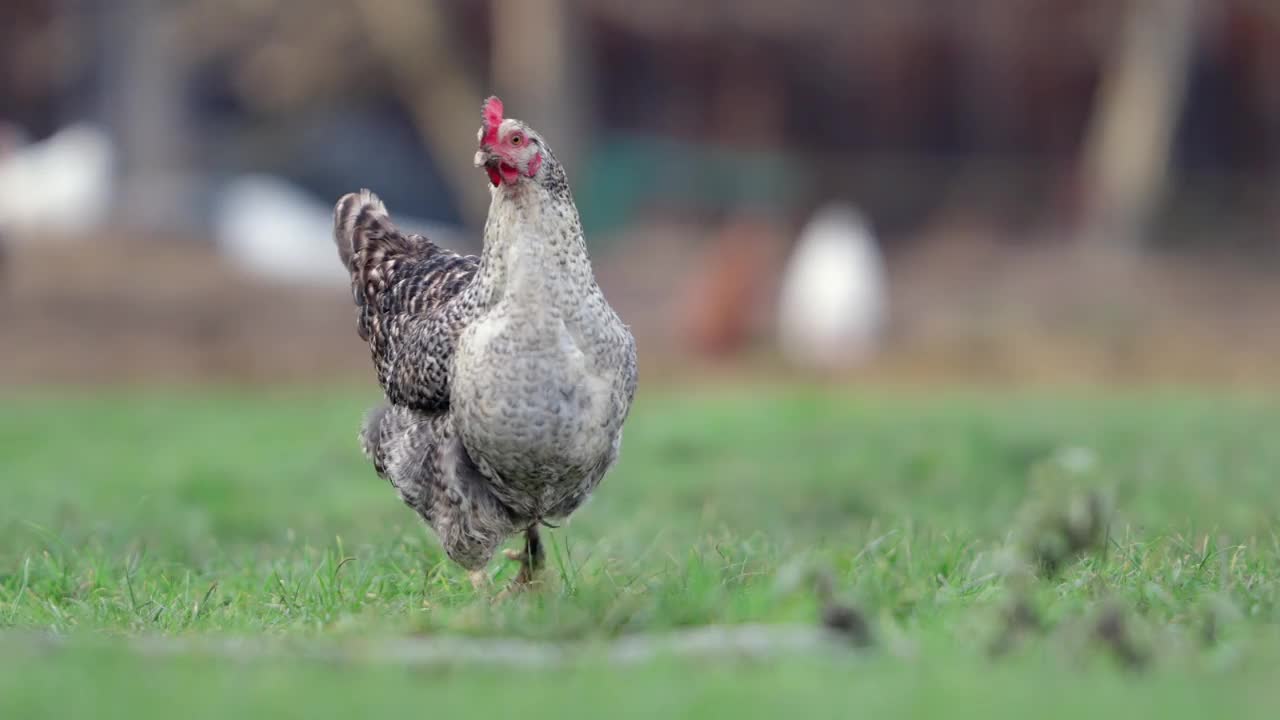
(531, 561)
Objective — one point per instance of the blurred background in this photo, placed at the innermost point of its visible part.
(992, 190)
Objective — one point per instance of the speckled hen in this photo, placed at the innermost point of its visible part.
(508, 377)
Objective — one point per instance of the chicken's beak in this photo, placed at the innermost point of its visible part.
(492, 164)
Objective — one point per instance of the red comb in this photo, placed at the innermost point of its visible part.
(491, 117)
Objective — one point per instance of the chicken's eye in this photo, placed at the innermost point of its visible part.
(516, 139)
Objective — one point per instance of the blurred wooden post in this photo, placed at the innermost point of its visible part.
(426, 67)
(144, 71)
(1127, 152)
(535, 55)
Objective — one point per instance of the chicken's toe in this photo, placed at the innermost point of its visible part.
(531, 560)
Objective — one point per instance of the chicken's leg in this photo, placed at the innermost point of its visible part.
(531, 560)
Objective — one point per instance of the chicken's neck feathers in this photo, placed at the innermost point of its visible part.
(534, 254)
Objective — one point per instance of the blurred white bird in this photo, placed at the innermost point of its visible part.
(61, 184)
(832, 305)
(274, 229)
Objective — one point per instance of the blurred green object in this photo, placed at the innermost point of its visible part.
(626, 174)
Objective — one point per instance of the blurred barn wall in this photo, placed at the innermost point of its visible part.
(968, 132)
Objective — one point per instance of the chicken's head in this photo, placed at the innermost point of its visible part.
(509, 150)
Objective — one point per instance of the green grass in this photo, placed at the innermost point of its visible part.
(202, 516)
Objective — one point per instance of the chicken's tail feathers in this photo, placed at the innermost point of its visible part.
(351, 215)
(361, 224)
